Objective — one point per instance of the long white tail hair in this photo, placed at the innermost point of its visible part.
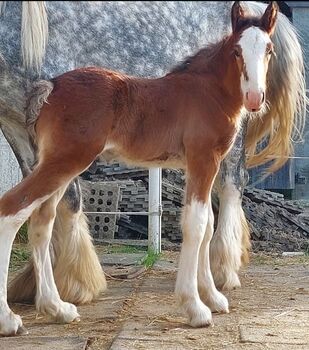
(287, 102)
(34, 33)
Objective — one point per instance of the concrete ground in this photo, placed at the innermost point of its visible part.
(270, 311)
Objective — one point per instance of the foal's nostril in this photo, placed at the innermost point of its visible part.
(254, 100)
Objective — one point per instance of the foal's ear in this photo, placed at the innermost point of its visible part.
(270, 17)
(237, 13)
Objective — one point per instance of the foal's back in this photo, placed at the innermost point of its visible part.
(143, 121)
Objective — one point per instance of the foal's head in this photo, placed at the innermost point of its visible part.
(252, 51)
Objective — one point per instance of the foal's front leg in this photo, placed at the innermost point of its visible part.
(200, 176)
(47, 300)
(215, 300)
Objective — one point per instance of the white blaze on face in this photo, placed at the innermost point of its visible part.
(253, 43)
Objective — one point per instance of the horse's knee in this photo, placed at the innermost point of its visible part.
(210, 226)
(39, 230)
(194, 221)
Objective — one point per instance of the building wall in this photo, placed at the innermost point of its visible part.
(301, 22)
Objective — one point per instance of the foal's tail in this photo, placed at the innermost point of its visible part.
(38, 95)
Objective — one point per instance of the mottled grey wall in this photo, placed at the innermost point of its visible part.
(9, 168)
(301, 22)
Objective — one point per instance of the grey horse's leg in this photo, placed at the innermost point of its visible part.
(231, 242)
(79, 280)
(17, 137)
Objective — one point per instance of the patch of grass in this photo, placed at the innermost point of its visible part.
(19, 255)
(150, 259)
(278, 260)
(22, 234)
(262, 259)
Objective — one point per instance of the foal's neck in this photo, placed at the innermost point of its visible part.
(224, 67)
(217, 64)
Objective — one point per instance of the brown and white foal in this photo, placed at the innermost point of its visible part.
(187, 119)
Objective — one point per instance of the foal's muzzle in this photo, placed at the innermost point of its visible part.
(253, 100)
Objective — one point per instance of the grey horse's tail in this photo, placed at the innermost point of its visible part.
(38, 95)
(34, 33)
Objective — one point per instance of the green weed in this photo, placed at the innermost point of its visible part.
(150, 259)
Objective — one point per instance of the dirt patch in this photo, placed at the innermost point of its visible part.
(271, 311)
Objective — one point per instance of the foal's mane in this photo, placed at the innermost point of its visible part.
(207, 54)
(212, 50)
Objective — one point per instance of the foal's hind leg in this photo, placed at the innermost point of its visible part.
(215, 300)
(40, 230)
(78, 280)
(10, 324)
(15, 208)
(200, 176)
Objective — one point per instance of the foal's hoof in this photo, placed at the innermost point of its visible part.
(22, 331)
(199, 314)
(67, 313)
(11, 324)
(217, 303)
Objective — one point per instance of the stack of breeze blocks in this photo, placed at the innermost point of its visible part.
(274, 222)
(119, 188)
